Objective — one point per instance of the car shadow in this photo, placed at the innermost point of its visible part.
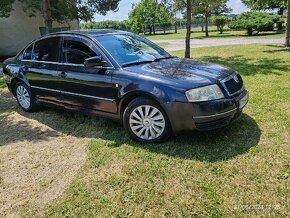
(211, 146)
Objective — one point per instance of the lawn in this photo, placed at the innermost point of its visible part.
(197, 34)
(239, 171)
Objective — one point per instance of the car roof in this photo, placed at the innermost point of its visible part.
(90, 33)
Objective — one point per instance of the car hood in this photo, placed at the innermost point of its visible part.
(186, 72)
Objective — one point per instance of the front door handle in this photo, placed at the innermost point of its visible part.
(24, 69)
(62, 75)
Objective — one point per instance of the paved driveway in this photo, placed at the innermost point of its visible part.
(179, 44)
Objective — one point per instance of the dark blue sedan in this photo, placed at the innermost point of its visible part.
(125, 77)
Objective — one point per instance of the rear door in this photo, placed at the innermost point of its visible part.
(42, 69)
(89, 88)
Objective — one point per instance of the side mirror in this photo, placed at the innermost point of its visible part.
(94, 62)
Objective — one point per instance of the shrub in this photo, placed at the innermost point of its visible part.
(254, 22)
(220, 22)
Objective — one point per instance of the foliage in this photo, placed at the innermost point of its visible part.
(254, 22)
(147, 13)
(6, 7)
(68, 10)
(63, 10)
(265, 5)
(281, 5)
(208, 8)
(220, 22)
(108, 24)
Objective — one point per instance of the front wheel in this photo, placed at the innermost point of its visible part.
(146, 121)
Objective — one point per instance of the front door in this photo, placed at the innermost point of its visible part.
(88, 88)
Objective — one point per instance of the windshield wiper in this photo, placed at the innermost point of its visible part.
(136, 63)
(163, 58)
(146, 62)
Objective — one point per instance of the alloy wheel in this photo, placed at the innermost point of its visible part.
(23, 97)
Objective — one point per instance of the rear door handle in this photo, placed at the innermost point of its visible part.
(62, 75)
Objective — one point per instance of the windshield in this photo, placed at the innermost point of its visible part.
(127, 49)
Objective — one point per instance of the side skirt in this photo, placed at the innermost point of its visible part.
(62, 106)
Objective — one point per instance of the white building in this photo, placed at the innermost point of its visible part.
(19, 29)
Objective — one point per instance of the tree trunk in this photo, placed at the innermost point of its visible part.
(164, 29)
(221, 29)
(46, 7)
(287, 43)
(206, 25)
(280, 25)
(175, 27)
(150, 30)
(250, 31)
(154, 29)
(188, 28)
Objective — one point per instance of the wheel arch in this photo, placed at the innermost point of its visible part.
(16, 80)
(133, 95)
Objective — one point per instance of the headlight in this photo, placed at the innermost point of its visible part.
(207, 93)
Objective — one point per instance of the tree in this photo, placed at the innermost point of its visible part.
(287, 43)
(144, 14)
(171, 7)
(186, 6)
(165, 17)
(220, 22)
(280, 5)
(147, 13)
(6, 7)
(254, 22)
(207, 8)
(188, 27)
(64, 10)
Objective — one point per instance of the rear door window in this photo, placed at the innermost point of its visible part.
(46, 49)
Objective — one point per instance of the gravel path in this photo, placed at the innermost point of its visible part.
(179, 44)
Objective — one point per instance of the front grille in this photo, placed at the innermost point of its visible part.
(232, 86)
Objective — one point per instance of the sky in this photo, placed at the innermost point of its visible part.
(126, 5)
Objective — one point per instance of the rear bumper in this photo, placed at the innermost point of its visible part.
(205, 115)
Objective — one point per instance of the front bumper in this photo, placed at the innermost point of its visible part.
(205, 115)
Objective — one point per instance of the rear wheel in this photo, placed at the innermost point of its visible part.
(25, 98)
(146, 121)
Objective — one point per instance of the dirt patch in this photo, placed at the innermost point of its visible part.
(37, 162)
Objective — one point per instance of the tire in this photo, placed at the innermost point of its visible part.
(25, 98)
(146, 121)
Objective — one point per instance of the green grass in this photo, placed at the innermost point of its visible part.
(239, 171)
(242, 170)
(2, 83)
(197, 34)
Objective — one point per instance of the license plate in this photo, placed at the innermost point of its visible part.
(243, 101)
